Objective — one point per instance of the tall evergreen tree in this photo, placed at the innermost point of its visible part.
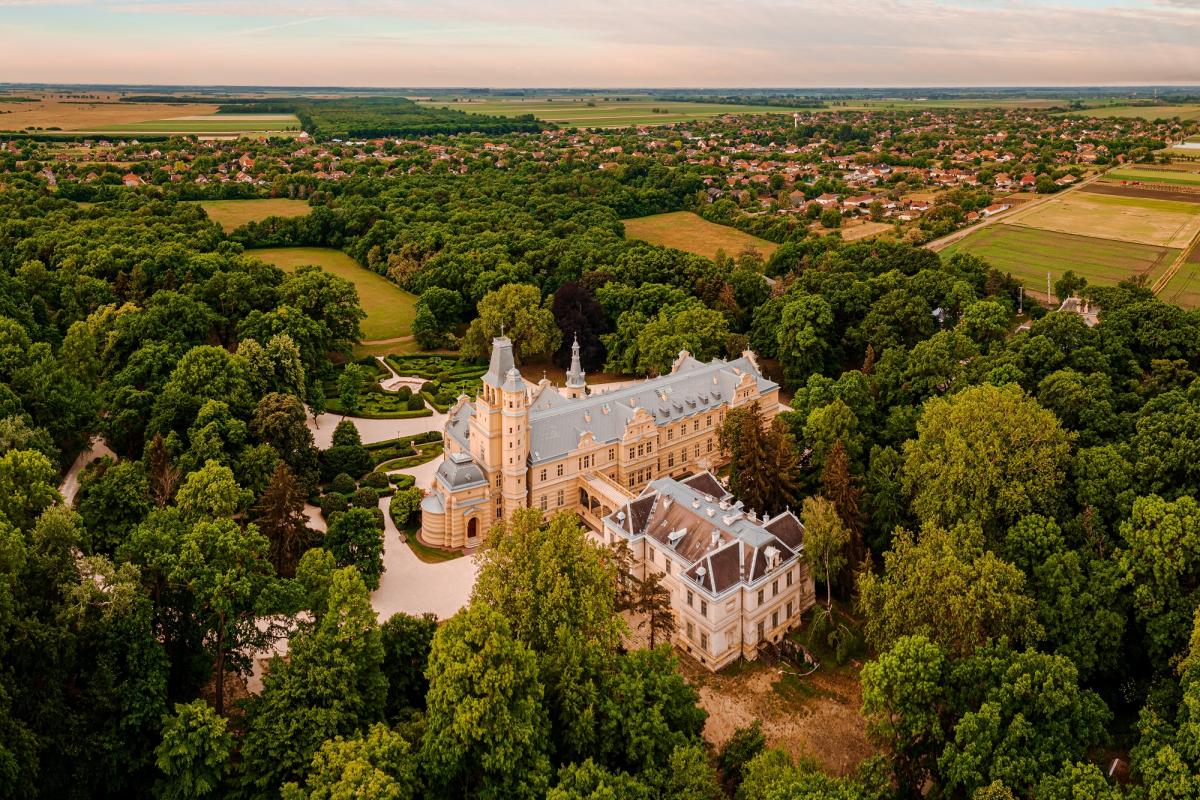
(280, 517)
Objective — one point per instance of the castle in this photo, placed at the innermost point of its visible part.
(521, 445)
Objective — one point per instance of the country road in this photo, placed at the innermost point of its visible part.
(945, 241)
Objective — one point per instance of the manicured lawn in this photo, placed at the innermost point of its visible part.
(1162, 223)
(389, 308)
(230, 214)
(1179, 177)
(1029, 253)
(685, 231)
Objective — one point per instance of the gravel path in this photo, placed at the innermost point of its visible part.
(97, 448)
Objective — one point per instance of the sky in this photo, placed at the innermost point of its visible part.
(602, 43)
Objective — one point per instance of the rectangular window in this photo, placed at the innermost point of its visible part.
(612, 454)
(775, 587)
(631, 451)
(543, 475)
(670, 434)
(560, 497)
(560, 470)
(542, 503)
(761, 629)
(708, 421)
(774, 619)
(704, 608)
(691, 629)
(695, 425)
(789, 581)
(789, 609)
(670, 460)
(760, 597)
(667, 564)
(649, 448)
(641, 449)
(704, 641)
(689, 598)
(710, 444)
(651, 551)
(497, 481)
(697, 449)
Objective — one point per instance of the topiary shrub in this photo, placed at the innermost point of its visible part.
(415, 403)
(354, 460)
(332, 504)
(403, 481)
(343, 484)
(404, 393)
(376, 480)
(366, 497)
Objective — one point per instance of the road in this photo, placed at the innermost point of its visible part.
(942, 243)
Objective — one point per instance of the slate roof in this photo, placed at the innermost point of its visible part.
(555, 423)
(719, 541)
(458, 471)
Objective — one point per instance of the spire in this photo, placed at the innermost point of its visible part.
(501, 362)
(575, 379)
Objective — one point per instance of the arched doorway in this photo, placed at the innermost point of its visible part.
(472, 529)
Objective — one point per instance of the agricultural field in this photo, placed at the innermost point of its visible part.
(686, 231)
(230, 214)
(600, 113)
(1144, 112)
(1183, 289)
(852, 233)
(389, 308)
(1182, 177)
(1140, 220)
(108, 115)
(1029, 253)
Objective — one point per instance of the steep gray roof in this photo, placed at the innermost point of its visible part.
(458, 471)
(501, 363)
(555, 423)
(721, 543)
(459, 425)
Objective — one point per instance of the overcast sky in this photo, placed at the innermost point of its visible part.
(611, 43)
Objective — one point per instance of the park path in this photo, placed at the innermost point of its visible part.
(97, 448)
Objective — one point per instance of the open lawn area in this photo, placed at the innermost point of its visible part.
(1181, 177)
(1029, 253)
(389, 308)
(685, 231)
(230, 214)
(1161, 223)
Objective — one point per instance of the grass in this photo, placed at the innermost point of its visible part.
(1178, 177)
(216, 123)
(1161, 223)
(685, 231)
(1144, 112)
(1029, 253)
(230, 214)
(390, 309)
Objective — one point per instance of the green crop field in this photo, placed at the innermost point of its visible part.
(1144, 112)
(390, 309)
(1178, 177)
(213, 123)
(685, 231)
(1029, 253)
(230, 214)
(1184, 287)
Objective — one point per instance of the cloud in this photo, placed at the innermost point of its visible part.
(279, 26)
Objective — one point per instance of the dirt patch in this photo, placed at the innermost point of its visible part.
(816, 717)
(1145, 192)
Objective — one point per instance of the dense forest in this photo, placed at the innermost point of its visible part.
(1014, 526)
(368, 117)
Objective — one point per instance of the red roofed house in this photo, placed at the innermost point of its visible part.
(132, 180)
